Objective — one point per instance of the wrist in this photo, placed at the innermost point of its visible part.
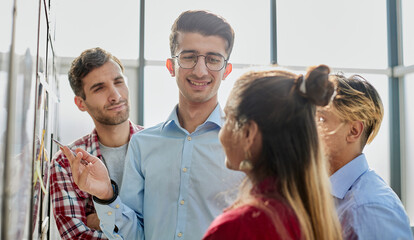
(109, 193)
(111, 196)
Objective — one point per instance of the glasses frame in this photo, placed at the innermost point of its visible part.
(205, 62)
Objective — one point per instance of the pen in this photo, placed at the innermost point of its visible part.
(74, 154)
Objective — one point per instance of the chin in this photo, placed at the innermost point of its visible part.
(229, 165)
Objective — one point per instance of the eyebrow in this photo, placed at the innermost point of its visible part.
(188, 51)
(96, 85)
(118, 77)
(193, 51)
(321, 111)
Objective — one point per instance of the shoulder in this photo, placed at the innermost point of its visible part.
(246, 222)
(376, 221)
(371, 207)
(237, 224)
(135, 127)
(369, 189)
(148, 132)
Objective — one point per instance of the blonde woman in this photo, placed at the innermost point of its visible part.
(270, 134)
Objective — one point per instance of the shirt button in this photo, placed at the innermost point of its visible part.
(179, 234)
(189, 138)
(184, 169)
(109, 213)
(117, 206)
(182, 202)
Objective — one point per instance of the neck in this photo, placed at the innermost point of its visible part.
(340, 160)
(113, 135)
(192, 115)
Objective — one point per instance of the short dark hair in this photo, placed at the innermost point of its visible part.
(84, 64)
(203, 22)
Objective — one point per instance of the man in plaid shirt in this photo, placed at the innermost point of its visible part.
(97, 79)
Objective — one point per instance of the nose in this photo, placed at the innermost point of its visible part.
(200, 68)
(114, 95)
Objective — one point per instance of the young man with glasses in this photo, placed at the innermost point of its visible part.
(175, 180)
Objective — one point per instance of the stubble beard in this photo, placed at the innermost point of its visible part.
(119, 118)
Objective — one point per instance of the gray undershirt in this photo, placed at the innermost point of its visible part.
(114, 159)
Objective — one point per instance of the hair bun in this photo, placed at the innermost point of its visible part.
(319, 89)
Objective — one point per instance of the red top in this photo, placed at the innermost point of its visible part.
(250, 222)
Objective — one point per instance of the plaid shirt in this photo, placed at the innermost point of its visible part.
(70, 204)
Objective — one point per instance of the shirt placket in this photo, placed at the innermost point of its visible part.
(184, 185)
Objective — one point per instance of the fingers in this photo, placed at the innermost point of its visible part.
(74, 163)
(87, 158)
(82, 178)
(67, 153)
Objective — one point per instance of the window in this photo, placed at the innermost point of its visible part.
(337, 33)
(408, 164)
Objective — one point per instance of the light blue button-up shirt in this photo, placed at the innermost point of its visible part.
(174, 184)
(367, 207)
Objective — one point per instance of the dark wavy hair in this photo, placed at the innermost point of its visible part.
(84, 64)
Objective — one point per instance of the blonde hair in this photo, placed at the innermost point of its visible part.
(357, 100)
(285, 115)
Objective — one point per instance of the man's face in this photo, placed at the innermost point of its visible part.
(106, 95)
(332, 131)
(199, 84)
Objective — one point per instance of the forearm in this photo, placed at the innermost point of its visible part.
(124, 218)
(118, 220)
(72, 228)
(70, 216)
(70, 206)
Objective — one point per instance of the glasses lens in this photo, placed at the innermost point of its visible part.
(214, 62)
(187, 60)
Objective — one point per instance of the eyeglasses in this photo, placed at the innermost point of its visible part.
(188, 60)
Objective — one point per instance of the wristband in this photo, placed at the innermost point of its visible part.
(109, 201)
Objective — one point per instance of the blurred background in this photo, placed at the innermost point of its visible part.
(39, 39)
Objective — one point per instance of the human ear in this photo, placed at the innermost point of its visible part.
(170, 66)
(250, 133)
(80, 103)
(228, 70)
(355, 131)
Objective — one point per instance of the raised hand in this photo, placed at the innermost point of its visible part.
(90, 175)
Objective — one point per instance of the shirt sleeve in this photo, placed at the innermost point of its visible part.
(69, 208)
(123, 219)
(376, 221)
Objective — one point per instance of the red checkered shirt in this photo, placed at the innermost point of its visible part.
(70, 204)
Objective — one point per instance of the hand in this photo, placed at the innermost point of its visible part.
(92, 177)
(92, 221)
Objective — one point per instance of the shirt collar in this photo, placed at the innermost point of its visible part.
(343, 179)
(216, 117)
(94, 140)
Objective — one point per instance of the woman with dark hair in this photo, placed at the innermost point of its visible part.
(270, 134)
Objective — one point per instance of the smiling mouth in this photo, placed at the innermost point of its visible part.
(199, 83)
